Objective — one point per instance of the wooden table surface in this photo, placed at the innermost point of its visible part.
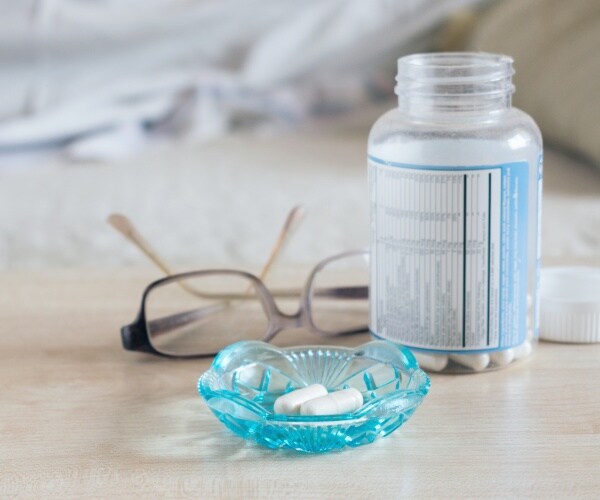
(81, 417)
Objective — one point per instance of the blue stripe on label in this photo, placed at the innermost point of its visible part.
(513, 254)
(433, 167)
(489, 257)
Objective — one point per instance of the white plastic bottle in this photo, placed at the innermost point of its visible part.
(455, 177)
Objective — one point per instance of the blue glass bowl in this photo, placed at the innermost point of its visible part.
(246, 378)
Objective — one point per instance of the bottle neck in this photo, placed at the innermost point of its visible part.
(454, 86)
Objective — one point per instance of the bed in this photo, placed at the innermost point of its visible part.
(224, 203)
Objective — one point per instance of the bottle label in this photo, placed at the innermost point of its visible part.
(449, 255)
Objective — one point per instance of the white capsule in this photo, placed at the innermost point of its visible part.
(433, 362)
(502, 358)
(335, 403)
(523, 350)
(290, 403)
(476, 362)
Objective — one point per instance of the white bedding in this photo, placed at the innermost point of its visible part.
(223, 203)
(76, 71)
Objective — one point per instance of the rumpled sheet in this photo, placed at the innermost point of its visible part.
(555, 46)
(99, 78)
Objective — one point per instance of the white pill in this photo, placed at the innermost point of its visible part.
(335, 403)
(523, 350)
(476, 362)
(433, 362)
(290, 403)
(502, 358)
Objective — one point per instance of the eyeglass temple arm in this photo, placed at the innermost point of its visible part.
(343, 292)
(169, 323)
(292, 220)
(125, 227)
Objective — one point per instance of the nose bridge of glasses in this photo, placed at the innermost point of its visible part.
(286, 321)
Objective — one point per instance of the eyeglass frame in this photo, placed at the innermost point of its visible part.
(135, 336)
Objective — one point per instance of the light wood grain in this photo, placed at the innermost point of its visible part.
(81, 417)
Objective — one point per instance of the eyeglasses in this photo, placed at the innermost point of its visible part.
(198, 313)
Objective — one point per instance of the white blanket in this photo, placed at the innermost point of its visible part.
(125, 71)
(224, 203)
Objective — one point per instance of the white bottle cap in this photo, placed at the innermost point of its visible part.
(570, 304)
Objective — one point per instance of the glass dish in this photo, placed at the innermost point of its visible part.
(245, 378)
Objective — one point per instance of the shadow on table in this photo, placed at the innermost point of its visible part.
(186, 429)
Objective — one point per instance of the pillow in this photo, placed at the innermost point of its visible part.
(556, 47)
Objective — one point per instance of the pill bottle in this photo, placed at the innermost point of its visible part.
(455, 179)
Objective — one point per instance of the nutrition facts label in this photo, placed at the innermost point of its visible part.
(449, 255)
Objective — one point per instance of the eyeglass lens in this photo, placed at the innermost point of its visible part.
(339, 298)
(203, 314)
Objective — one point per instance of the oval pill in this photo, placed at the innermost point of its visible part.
(502, 358)
(433, 362)
(289, 404)
(476, 362)
(335, 403)
(523, 350)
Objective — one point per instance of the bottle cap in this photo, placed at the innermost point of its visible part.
(570, 304)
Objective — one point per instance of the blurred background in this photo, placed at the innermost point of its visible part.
(205, 121)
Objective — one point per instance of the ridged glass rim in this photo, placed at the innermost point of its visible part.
(417, 376)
